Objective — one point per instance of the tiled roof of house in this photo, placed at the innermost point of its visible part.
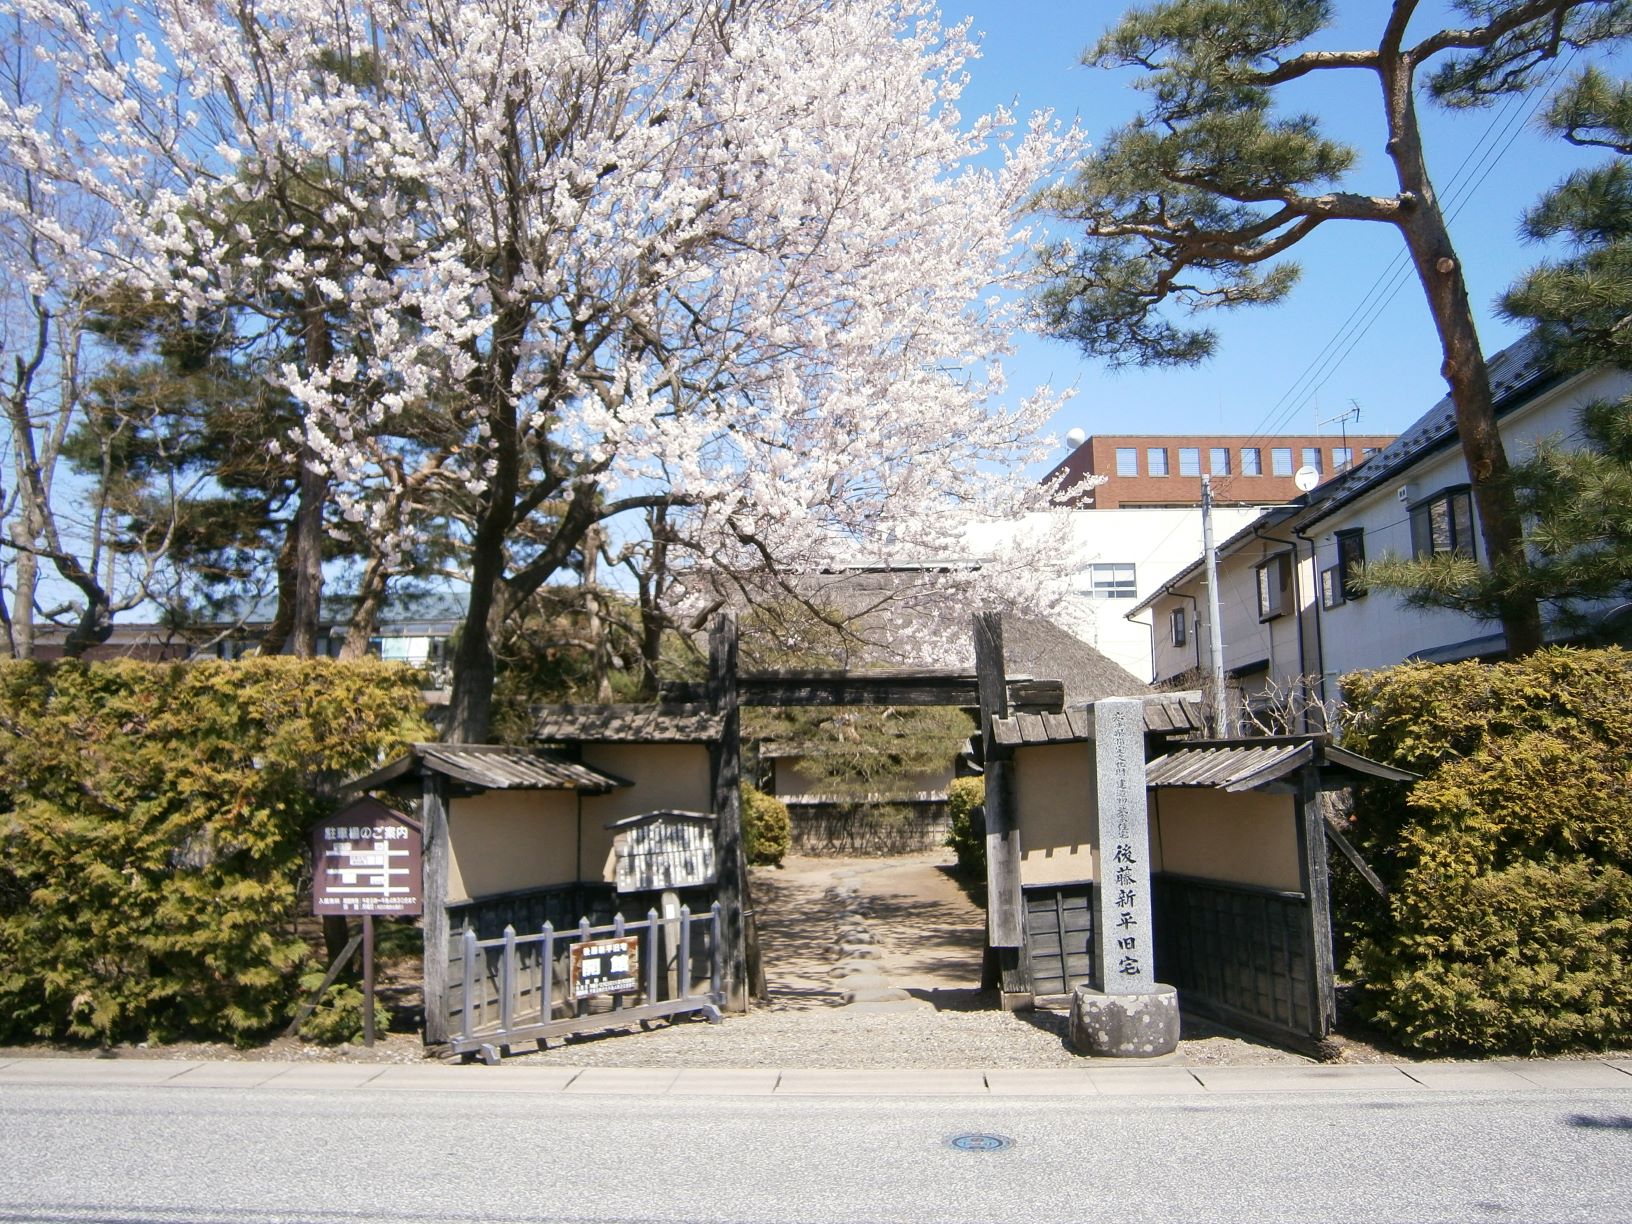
(627, 724)
(1516, 374)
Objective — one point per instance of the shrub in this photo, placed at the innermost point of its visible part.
(966, 805)
(153, 825)
(338, 1017)
(767, 832)
(1508, 925)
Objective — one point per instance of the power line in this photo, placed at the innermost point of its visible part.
(1476, 166)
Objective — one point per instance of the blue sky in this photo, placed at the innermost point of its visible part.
(1341, 338)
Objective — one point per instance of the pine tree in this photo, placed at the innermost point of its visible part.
(1577, 499)
(1194, 202)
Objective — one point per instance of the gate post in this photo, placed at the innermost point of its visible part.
(434, 926)
(1314, 873)
(1005, 906)
(725, 759)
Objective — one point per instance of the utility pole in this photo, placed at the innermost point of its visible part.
(1215, 640)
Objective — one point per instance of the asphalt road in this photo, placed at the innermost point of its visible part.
(227, 1156)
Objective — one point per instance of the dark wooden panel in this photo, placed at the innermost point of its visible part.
(1059, 936)
(1242, 955)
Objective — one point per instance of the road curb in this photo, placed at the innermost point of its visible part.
(1119, 1080)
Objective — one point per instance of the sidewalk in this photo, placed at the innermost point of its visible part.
(1592, 1075)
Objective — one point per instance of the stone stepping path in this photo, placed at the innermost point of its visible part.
(860, 971)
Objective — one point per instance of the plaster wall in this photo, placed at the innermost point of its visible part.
(1249, 838)
(1055, 801)
(503, 841)
(664, 776)
(1157, 542)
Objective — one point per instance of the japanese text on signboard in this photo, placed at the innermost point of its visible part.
(608, 966)
(371, 868)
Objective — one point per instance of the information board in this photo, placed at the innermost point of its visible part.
(664, 850)
(366, 859)
(606, 966)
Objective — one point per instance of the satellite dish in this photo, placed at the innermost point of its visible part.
(1076, 438)
(1306, 478)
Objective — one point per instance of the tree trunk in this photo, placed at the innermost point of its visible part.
(652, 620)
(1440, 272)
(595, 621)
(470, 704)
(20, 625)
(277, 633)
(314, 489)
(365, 617)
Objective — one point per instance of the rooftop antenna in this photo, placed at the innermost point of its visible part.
(1342, 419)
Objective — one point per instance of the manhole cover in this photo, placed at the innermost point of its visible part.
(979, 1142)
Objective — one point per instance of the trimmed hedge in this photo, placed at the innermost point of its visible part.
(1508, 926)
(153, 827)
(966, 806)
(767, 829)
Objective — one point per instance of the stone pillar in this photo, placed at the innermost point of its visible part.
(1130, 1015)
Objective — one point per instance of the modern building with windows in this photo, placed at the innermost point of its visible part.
(1294, 619)
(1121, 556)
(1154, 471)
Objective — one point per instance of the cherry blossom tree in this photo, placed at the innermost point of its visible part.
(741, 263)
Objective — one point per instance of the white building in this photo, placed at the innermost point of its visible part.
(1120, 557)
(1288, 619)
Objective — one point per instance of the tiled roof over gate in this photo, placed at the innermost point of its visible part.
(1165, 714)
(492, 767)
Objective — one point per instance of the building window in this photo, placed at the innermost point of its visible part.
(1342, 457)
(1351, 558)
(1189, 461)
(1443, 524)
(1311, 457)
(1218, 461)
(1331, 587)
(1181, 627)
(1127, 461)
(1280, 461)
(1112, 580)
(1366, 452)
(1274, 586)
(1252, 461)
(1156, 461)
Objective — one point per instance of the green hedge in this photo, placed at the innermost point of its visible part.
(767, 830)
(966, 831)
(153, 836)
(1508, 926)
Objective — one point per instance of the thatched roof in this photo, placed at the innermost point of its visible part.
(894, 607)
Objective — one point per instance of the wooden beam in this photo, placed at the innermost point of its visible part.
(1005, 908)
(434, 819)
(725, 764)
(1313, 872)
(899, 687)
(1353, 855)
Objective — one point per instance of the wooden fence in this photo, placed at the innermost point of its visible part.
(518, 988)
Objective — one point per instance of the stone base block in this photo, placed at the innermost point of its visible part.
(1144, 1025)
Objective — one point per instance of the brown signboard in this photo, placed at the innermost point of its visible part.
(366, 859)
(605, 966)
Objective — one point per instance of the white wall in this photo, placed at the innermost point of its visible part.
(1158, 543)
(1378, 630)
(1248, 641)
